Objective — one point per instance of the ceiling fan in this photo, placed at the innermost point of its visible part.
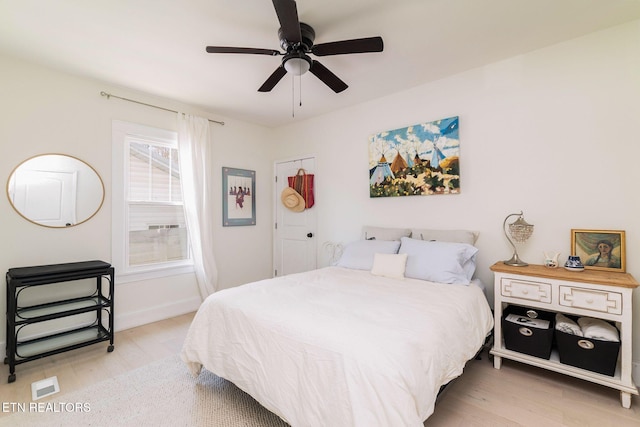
(296, 38)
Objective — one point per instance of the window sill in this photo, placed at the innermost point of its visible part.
(154, 273)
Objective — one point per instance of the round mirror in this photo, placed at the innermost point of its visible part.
(55, 190)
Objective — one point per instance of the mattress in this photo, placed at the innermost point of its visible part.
(340, 347)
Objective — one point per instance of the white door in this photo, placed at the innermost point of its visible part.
(46, 197)
(295, 232)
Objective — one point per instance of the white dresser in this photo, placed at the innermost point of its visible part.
(599, 294)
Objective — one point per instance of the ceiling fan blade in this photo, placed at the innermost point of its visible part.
(327, 77)
(250, 50)
(273, 79)
(369, 44)
(287, 12)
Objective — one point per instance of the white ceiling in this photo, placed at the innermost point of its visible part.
(158, 46)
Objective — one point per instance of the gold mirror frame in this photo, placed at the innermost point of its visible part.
(74, 186)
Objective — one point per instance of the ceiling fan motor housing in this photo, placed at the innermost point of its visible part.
(307, 34)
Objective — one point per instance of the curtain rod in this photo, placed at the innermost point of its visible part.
(109, 95)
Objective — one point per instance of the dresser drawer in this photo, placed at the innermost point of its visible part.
(526, 290)
(590, 299)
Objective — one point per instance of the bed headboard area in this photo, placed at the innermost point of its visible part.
(443, 256)
(388, 233)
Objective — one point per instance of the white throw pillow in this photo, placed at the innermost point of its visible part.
(389, 265)
(359, 255)
(442, 262)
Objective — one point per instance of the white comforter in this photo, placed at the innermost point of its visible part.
(338, 347)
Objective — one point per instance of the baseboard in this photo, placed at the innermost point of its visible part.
(153, 314)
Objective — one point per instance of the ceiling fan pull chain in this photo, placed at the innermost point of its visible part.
(293, 97)
(300, 93)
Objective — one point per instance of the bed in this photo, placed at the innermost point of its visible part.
(361, 343)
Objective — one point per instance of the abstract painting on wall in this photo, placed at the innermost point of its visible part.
(421, 159)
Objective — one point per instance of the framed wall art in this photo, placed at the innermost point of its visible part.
(422, 159)
(238, 197)
(599, 249)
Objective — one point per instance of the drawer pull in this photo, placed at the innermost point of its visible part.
(527, 332)
(587, 345)
(525, 291)
(532, 314)
(589, 300)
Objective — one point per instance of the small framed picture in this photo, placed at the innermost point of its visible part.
(599, 249)
(238, 197)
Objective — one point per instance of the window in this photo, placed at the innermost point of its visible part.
(149, 231)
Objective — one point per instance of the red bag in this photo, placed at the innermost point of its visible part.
(302, 182)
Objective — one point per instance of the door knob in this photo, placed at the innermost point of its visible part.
(309, 234)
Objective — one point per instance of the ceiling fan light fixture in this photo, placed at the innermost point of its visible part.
(297, 65)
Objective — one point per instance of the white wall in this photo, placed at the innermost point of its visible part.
(553, 133)
(44, 111)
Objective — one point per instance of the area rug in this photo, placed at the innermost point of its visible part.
(160, 394)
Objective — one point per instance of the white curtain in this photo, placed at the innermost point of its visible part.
(196, 154)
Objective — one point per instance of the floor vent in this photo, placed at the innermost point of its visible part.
(44, 388)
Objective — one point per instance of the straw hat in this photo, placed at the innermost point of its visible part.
(292, 200)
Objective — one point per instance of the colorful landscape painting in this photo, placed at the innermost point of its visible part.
(417, 160)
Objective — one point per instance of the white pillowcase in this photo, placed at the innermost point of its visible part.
(442, 262)
(359, 255)
(389, 265)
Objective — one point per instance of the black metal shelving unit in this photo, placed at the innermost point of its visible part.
(19, 280)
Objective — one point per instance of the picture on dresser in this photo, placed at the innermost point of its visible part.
(599, 249)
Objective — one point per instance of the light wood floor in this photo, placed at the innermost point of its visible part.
(516, 395)
(79, 368)
(522, 395)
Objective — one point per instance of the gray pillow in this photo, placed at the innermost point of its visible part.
(441, 262)
(359, 255)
